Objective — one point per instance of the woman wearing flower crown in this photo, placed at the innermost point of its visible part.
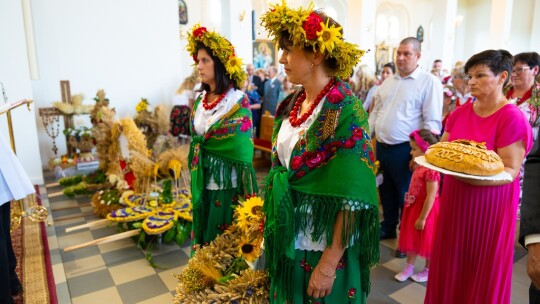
(322, 228)
(221, 150)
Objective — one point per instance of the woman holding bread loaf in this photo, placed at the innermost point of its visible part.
(472, 253)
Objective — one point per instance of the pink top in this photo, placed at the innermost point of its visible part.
(508, 129)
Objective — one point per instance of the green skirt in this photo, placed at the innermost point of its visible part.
(216, 215)
(347, 288)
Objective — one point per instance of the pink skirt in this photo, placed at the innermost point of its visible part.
(416, 241)
(472, 253)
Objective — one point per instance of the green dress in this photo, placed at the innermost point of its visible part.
(220, 161)
(331, 170)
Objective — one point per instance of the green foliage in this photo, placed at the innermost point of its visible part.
(166, 196)
(78, 189)
(70, 180)
(97, 177)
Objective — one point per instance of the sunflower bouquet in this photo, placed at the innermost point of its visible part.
(223, 272)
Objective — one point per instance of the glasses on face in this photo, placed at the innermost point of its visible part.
(519, 71)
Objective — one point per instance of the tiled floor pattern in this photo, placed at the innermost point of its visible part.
(119, 273)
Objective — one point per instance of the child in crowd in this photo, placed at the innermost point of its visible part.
(420, 210)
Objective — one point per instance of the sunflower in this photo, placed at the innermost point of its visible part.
(249, 249)
(329, 37)
(234, 65)
(249, 213)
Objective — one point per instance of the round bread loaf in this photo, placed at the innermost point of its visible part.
(465, 156)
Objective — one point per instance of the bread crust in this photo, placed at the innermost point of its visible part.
(465, 156)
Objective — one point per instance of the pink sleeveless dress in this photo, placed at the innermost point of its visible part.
(411, 239)
(474, 237)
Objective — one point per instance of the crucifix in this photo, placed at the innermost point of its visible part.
(51, 116)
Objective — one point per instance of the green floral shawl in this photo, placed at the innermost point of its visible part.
(227, 145)
(331, 170)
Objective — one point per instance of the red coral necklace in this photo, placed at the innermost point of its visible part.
(210, 105)
(296, 121)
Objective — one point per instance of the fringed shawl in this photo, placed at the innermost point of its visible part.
(226, 146)
(331, 170)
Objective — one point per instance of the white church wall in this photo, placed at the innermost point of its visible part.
(129, 48)
(473, 34)
(15, 76)
(520, 32)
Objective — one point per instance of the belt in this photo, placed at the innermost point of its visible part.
(385, 145)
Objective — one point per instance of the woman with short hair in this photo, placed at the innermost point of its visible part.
(473, 250)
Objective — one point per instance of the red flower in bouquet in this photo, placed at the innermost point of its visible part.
(312, 25)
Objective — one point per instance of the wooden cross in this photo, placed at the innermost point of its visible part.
(68, 118)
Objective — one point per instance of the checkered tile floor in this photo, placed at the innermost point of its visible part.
(119, 273)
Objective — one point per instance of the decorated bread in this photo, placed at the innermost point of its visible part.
(465, 156)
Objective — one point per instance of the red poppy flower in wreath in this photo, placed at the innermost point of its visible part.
(312, 25)
(198, 32)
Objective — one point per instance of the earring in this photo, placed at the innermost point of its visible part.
(312, 65)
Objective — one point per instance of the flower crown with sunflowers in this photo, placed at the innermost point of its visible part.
(221, 48)
(307, 28)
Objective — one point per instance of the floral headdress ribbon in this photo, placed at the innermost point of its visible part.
(422, 144)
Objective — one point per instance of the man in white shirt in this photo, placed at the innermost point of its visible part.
(410, 100)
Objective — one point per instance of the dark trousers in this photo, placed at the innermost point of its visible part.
(394, 163)
(8, 262)
(534, 295)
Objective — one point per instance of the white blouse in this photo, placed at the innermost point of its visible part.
(288, 136)
(204, 119)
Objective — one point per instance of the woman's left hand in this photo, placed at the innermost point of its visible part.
(321, 282)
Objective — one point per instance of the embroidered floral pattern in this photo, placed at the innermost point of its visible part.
(352, 293)
(334, 96)
(340, 265)
(358, 142)
(417, 189)
(409, 199)
(246, 124)
(222, 227)
(195, 160)
(305, 265)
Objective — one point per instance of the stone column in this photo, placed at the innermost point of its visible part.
(443, 33)
(535, 29)
(500, 24)
(361, 27)
(236, 26)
